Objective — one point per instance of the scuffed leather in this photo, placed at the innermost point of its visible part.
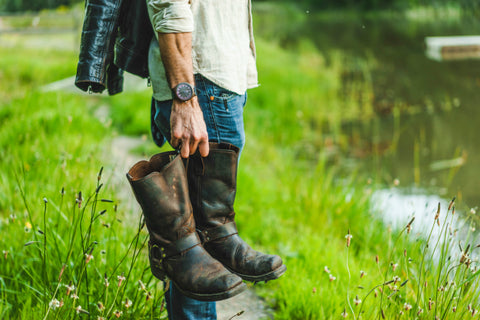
(212, 185)
(160, 187)
(115, 37)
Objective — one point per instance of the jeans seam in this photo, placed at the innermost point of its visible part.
(212, 114)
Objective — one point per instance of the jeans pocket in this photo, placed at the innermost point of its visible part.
(224, 98)
(227, 96)
(219, 98)
(216, 92)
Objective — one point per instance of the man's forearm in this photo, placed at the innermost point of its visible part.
(188, 129)
(176, 52)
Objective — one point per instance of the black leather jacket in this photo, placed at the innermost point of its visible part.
(116, 36)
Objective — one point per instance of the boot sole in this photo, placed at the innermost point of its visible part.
(272, 275)
(205, 296)
(214, 296)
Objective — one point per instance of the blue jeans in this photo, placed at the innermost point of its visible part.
(223, 115)
(222, 112)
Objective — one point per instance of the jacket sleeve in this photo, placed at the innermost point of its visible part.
(95, 67)
(170, 16)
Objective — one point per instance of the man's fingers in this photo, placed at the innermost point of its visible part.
(185, 150)
(188, 130)
(193, 146)
(204, 148)
(175, 142)
(176, 137)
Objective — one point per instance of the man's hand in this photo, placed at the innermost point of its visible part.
(188, 128)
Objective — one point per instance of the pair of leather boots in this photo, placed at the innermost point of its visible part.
(188, 210)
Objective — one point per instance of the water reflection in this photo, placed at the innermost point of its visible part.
(399, 206)
(425, 129)
(438, 152)
(425, 132)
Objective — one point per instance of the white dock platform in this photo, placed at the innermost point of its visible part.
(453, 48)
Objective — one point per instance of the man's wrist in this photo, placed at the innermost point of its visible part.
(183, 92)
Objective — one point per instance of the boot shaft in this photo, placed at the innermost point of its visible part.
(160, 187)
(212, 185)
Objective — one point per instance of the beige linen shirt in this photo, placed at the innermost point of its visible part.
(223, 48)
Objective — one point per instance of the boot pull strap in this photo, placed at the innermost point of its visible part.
(198, 164)
(203, 165)
(219, 232)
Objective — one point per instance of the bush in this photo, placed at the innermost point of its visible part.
(32, 5)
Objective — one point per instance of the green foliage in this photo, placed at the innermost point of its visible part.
(308, 205)
(131, 113)
(65, 232)
(20, 73)
(32, 5)
(372, 4)
(291, 200)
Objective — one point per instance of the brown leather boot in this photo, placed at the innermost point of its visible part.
(212, 184)
(175, 250)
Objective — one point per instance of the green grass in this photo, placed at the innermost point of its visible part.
(291, 200)
(52, 148)
(309, 206)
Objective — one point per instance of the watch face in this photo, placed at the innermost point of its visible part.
(184, 91)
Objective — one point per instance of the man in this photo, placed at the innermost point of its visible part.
(201, 64)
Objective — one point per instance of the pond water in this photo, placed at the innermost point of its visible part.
(431, 147)
(424, 137)
(432, 143)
